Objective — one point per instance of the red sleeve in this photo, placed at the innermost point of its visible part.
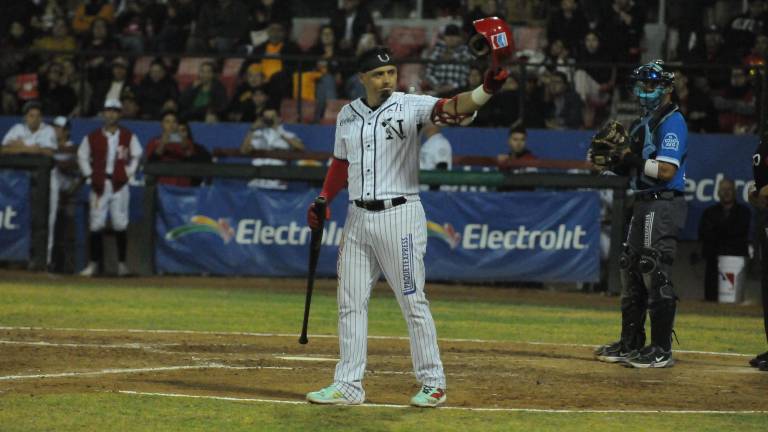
(336, 179)
(151, 147)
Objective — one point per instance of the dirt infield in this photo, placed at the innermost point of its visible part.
(480, 374)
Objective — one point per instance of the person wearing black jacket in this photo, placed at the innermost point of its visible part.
(157, 92)
(758, 197)
(723, 230)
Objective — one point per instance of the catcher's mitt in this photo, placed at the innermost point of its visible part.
(608, 144)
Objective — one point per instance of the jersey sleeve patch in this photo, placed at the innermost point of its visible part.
(670, 142)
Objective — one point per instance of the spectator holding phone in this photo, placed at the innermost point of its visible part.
(170, 146)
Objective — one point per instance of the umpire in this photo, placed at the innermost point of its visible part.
(758, 197)
(655, 162)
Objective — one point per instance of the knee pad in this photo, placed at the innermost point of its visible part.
(652, 265)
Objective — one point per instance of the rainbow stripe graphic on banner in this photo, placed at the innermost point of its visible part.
(444, 232)
(202, 224)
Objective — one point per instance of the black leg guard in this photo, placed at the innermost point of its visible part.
(634, 301)
(662, 301)
(97, 246)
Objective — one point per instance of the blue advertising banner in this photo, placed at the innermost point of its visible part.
(14, 215)
(550, 236)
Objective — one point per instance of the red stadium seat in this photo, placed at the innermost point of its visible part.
(141, 68)
(289, 111)
(406, 41)
(332, 108)
(410, 75)
(188, 70)
(230, 74)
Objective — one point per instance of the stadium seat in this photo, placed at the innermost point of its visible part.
(141, 68)
(332, 108)
(188, 69)
(410, 75)
(289, 111)
(230, 74)
(406, 41)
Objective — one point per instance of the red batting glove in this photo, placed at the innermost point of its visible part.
(312, 220)
(494, 79)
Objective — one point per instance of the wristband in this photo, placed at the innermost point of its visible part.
(479, 96)
(651, 168)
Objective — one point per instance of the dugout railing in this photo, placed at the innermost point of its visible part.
(315, 175)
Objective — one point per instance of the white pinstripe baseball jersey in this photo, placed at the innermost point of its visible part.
(382, 145)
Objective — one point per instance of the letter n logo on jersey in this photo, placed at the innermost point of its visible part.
(390, 129)
(499, 41)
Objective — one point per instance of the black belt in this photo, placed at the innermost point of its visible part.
(379, 205)
(658, 195)
(109, 176)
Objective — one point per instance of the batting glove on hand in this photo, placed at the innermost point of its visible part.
(312, 220)
(494, 79)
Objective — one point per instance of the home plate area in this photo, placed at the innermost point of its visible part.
(494, 375)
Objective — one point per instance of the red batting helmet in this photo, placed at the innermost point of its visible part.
(494, 36)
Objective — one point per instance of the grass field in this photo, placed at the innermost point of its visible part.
(275, 306)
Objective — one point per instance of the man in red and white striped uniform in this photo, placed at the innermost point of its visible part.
(376, 155)
(109, 156)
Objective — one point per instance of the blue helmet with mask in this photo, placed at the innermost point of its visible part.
(650, 83)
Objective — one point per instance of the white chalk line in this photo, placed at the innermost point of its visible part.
(324, 336)
(307, 359)
(373, 405)
(136, 370)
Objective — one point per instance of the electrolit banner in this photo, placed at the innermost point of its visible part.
(525, 236)
(14, 216)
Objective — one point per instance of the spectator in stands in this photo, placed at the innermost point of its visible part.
(353, 88)
(696, 105)
(83, 89)
(447, 79)
(130, 25)
(158, 92)
(97, 68)
(50, 11)
(743, 29)
(19, 39)
(268, 133)
(171, 147)
(564, 106)
(58, 40)
(57, 96)
(518, 150)
(265, 12)
(332, 71)
(243, 99)
(568, 24)
(256, 105)
(350, 22)
(131, 107)
(117, 87)
(206, 99)
(436, 152)
(32, 136)
(482, 9)
(503, 110)
(713, 52)
(622, 27)
(723, 230)
(200, 153)
(89, 11)
(181, 15)
(594, 84)
(277, 72)
(109, 157)
(222, 24)
(737, 104)
(559, 59)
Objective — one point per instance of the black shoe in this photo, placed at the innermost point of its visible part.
(763, 366)
(755, 362)
(651, 357)
(613, 353)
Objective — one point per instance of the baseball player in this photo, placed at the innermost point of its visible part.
(64, 176)
(656, 162)
(376, 156)
(758, 197)
(109, 156)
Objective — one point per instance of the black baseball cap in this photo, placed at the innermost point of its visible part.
(33, 104)
(373, 58)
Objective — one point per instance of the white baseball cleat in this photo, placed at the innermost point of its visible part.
(122, 269)
(90, 269)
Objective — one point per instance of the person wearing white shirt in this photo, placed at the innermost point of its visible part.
(109, 157)
(267, 133)
(436, 153)
(32, 136)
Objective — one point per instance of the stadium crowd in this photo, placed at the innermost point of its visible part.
(107, 49)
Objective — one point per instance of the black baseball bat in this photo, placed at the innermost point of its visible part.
(314, 253)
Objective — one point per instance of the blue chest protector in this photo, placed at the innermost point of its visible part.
(661, 135)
